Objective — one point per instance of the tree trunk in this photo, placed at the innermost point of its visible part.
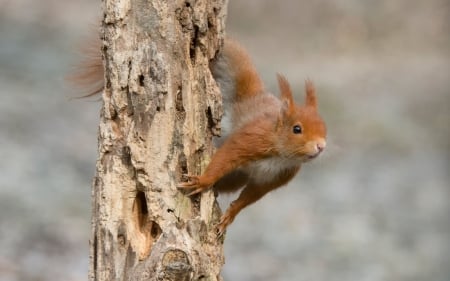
(161, 108)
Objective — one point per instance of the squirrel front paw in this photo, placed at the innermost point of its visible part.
(195, 183)
(225, 221)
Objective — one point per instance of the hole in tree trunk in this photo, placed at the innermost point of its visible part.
(147, 231)
(141, 211)
(141, 80)
(155, 230)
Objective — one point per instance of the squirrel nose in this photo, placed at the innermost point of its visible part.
(320, 146)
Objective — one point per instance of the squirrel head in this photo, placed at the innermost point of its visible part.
(301, 132)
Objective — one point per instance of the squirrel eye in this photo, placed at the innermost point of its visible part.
(297, 129)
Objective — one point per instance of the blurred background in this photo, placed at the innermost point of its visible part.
(375, 206)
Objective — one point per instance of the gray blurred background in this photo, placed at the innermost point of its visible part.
(374, 207)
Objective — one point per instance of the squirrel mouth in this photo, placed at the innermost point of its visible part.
(310, 157)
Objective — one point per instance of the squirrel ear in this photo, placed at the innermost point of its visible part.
(310, 90)
(286, 93)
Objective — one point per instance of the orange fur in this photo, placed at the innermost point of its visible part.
(252, 192)
(261, 151)
(269, 140)
(247, 80)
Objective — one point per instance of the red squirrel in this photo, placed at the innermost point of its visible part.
(264, 140)
(267, 140)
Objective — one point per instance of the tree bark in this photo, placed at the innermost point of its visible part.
(161, 108)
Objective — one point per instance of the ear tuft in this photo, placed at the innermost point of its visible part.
(310, 89)
(285, 92)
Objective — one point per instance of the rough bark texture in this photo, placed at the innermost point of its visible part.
(161, 108)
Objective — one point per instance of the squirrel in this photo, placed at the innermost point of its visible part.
(264, 139)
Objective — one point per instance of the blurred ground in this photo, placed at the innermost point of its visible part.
(375, 206)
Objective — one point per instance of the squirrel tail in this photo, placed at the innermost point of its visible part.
(88, 76)
(235, 73)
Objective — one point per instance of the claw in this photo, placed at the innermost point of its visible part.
(220, 231)
(193, 182)
(225, 221)
(198, 190)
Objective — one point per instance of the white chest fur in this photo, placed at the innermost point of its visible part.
(269, 169)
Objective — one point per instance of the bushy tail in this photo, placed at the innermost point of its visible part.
(235, 73)
(88, 76)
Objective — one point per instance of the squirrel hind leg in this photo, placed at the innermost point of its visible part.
(231, 182)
